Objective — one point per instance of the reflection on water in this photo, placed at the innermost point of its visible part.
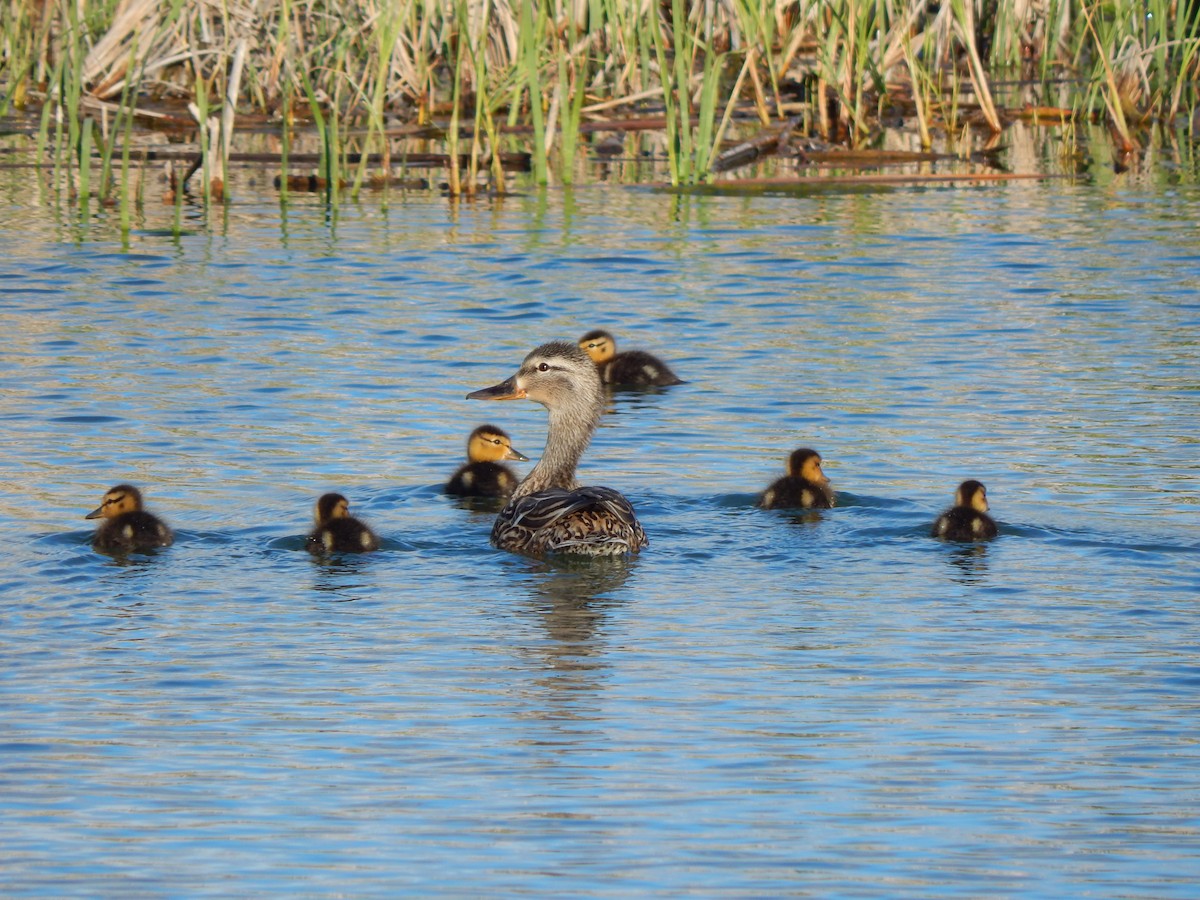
(571, 601)
(971, 562)
(762, 703)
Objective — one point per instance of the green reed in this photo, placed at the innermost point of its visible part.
(125, 110)
(19, 55)
(386, 36)
(200, 109)
(483, 120)
(43, 136)
(453, 134)
(327, 145)
(572, 80)
(532, 29)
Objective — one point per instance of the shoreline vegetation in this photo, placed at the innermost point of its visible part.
(359, 93)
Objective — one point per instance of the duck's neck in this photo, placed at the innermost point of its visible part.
(569, 433)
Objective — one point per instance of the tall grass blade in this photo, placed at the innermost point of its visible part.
(530, 31)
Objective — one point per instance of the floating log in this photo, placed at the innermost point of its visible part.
(807, 183)
(765, 143)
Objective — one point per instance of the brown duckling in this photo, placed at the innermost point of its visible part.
(633, 368)
(550, 512)
(337, 530)
(483, 475)
(967, 520)
(804, 486)
(126, 525)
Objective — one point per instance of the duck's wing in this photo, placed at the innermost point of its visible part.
(596, 521)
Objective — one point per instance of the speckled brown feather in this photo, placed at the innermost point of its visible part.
(592, 521)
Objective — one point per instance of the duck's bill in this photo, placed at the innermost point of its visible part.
(515, 454)
(95, 513)
(505, 390)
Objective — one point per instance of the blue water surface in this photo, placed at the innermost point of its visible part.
(760, 704)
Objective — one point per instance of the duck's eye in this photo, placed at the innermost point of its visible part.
(544, 367)
(497, 441)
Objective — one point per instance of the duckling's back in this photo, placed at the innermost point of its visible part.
(638, 369)
(482, 479)
(134, 530)
(792, 492)
(342, 535)
(962, 523)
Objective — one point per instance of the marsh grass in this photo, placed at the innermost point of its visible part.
(532, 74)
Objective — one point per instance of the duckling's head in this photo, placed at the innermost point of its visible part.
(599, 345)
(973, 494)
(488, 443)
(118, 500)
(806, 464)
(558, 375)
(330, 507)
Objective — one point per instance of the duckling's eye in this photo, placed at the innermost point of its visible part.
(497, 441)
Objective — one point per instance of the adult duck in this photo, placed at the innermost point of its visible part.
(550, 512)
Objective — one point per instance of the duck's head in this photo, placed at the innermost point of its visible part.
(973, 494)
(599, 345)
(558, 375)
(121, 499)
(330, 507)
(488, 443)
(806, 464)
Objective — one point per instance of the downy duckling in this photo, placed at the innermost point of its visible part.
(126, 525)
(337, 530)
(484, 475)
(549, 511)
(804, 485)
(967, 520)
(633, 368)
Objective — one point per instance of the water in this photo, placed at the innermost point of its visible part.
(761, 704)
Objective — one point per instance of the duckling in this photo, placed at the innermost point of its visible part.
(550, 512)
(633, 368)
(805, 484)
(337, 530)
(967, 520)
(484, 475)
(126, 525)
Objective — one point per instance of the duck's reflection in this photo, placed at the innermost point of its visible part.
(341, 578)
(971, 562)
(571, 599)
